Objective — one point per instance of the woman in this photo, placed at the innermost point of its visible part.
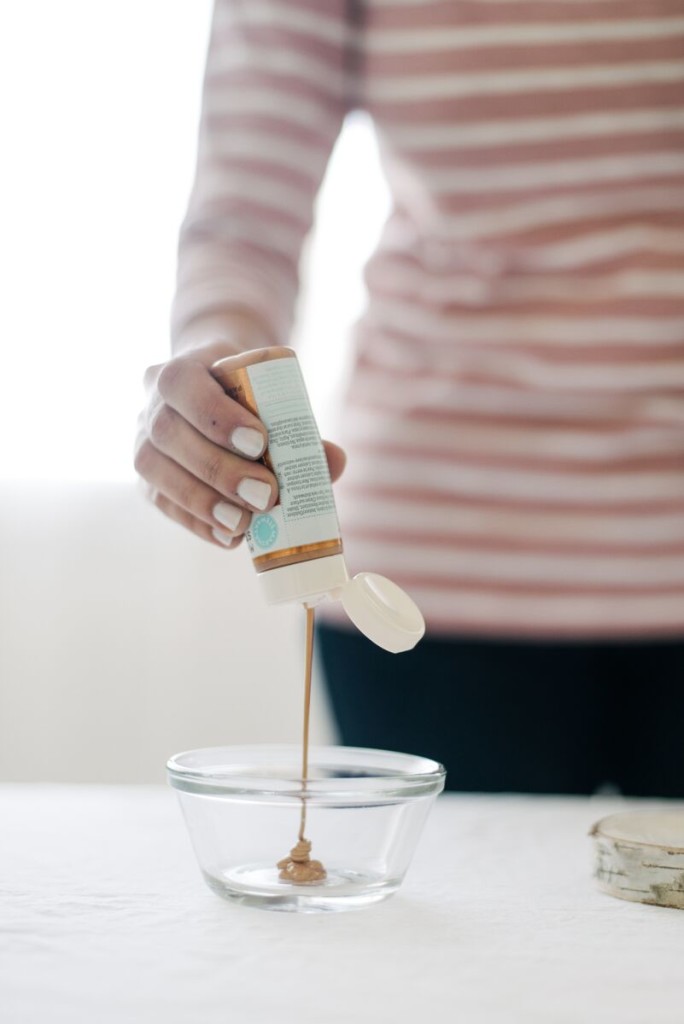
(515, 417)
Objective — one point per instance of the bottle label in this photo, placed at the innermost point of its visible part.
(304, 522)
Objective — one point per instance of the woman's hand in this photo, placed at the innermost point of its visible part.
(198, 451)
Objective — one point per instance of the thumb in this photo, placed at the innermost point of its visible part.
(337, 459)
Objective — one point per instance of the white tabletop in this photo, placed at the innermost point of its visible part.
(104, 918)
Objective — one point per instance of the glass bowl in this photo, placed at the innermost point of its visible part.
(363, 812)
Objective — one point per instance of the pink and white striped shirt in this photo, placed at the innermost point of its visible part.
(515, 420)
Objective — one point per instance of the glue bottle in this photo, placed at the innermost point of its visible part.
(296, 547)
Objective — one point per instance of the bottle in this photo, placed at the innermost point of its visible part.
(296, 547)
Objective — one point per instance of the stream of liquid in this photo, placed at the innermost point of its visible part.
(298, 866)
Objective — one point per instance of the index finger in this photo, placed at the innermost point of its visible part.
(189, 388)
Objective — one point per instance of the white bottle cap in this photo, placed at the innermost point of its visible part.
(380, 609)
(383, 612)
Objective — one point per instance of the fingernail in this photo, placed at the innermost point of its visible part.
(223, 538)
(227, 514)
(248, 441)
(255, 492)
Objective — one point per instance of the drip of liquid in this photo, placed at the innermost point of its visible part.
(298, 866)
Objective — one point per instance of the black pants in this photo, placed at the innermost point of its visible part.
(509, 716)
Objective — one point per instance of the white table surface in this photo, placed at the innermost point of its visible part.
(104, 917)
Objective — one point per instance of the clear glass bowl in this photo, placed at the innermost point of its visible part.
(365, 810)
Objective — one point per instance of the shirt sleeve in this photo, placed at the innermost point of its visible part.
(276, 90)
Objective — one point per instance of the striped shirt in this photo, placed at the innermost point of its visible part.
(515, 417)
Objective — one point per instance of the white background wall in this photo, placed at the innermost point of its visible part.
(125, 640)
(121, 639)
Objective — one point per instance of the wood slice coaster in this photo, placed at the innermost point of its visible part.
(640, 856)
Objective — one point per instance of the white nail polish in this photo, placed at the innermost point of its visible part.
(227, 514)
(255, 492)
(248, 441)
(223, 538)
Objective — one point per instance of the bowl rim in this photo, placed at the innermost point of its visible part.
(420, 776)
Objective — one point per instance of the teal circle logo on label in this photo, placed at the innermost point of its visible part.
(264, 531)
